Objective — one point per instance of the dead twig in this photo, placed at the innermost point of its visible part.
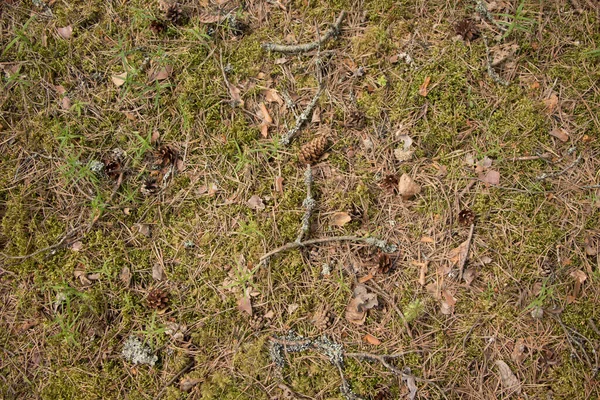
(560, 172)
(463, 260)
(174, 378)
(309, 204)
(383, 245)
(543, 156)
(302, 48)
(302, 118)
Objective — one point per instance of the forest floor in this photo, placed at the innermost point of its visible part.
(447, 246)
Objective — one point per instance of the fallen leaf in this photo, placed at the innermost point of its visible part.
(590, 245)
(279, 184)
(508, 379)
(316, 116)
(560, 133)
(272, 96)
(365, 278)
(155, 136)
(255, 203)
(236, 98)
(188, 384)
(158, 272)
(159, 73)
(579, 277)
(340, 219)
(245, 304)
(411, 383)
(403, 155)
(448, 302)
(407, 187)
(491, 178)
(281, 61)
(458, 256)
(551, 103)
(65, 103)
(82, 276)
(264, 130)
(423, 88)
(423, 274)
(361, 302)
(77, 246)
(518, 353)
(368, 338)
(119, 80)
(265, 113)
(484, 164)
(65, 32)
(292, 307)
(393, 59)
(469, 275)
(125, 276)
(144, 229)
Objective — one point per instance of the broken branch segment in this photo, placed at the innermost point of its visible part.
(301, 48)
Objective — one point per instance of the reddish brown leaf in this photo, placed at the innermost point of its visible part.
(423, 91)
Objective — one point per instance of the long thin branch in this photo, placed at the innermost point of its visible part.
(309, 204)
(302, 118)
(300, 48)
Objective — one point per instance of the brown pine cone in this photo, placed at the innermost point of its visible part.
(390, 182)
(313, 150)
(467, 29)
(165, 156)
(466, 217)
(158, 26)
(157, 299)
(150, 186)
(174, 13)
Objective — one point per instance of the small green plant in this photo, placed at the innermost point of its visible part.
(542, 296)
(518, 21)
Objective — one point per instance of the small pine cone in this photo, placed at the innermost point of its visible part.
(467, 29)
(385, 263)
(158, 26)
(313, 150)
(547, 267)
(257, 322)
(390, 182)
(466, 217)
(165, 156)
(174, 13)
(113, 168)
(157, 299)
(150, 186)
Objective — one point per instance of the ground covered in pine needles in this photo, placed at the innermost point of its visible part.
(449, 217)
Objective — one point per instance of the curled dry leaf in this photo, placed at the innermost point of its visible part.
(119, 80)
(236, 98)
(340, 219)
(423, 91)
(245, 304)
(279, 184)
(591, 245)
(125, 276)
(458, 256)
(65, 32)
(560, 133)
(255, 203)
(407, 187)
(551, 103)
(509, 381)
(448, 302)
(368, 338)
(272, 96)
(158, 272)
(356, 310)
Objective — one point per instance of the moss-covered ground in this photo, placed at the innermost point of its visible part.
(80, 250)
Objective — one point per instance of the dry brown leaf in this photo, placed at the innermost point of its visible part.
(82, 276)
(361, 302)
(518, 353)
(281, 61)
(188, 384)
(236, 98)
(340, 218)
(272, 96)
(508, 379)
(316, 116)
(423, 88)
(448, 302)
(255, 203)
(159, 73)
(427, 239)
(560, 133)
(365, 278)
(591, 245)
(502, 53)
(245, 304)
(407, 187)
(292, 308)
(144, 229)
(65, 32)
(458, 256)
(265, 113)
(491, 178)
(579, 276)
(211, 18)
(368, 338)
(155, 136)
(551, 103)
(119, 80)
(403, 155)
(65, 103)
(77, 246)
(423, 274)
(125, 276)
(158, 272)
(469, 275)
(279, 184)
(264, 130)
(434, 290)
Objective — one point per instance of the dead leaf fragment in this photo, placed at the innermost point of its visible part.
(236, 98)
(279, 184)
(448, 302)
(245, 304)
(591, 245)
(65, 32)
(458, 256)
(119, 80)
(469, 275)
(255, 203)
(491, 178)
(551, 103)
(159, 73)
(125, 276)
(423, 88)
(265, 113)
(518, 353)
(77, 246)
(272, 96)
(340, 219)
(560, 133)
(361, 302)
(155, 136)
(509, 381)
(368, 338)
(407, 187)
(579, 277)
(411, 383)
(158, 272)
(188, 384)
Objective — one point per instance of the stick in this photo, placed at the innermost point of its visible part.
(302, 118)
(388, 248)
(309, 203)
(177, 376)
(463, 261)
(300, 48)
(562, 171)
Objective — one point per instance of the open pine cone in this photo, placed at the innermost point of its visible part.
(174, 13)
(165, 156)
(157, 299)
(390, 182)
(467, 29)
(313, 150)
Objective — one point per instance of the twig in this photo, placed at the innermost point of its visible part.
(301, 48)
(386, 247)
(301, 119)
(490, 69)
(177, 376)
(543, 156)
(309, 204)
(463, 260)
(562, 171)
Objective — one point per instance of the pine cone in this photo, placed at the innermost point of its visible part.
(157, 299)
(165, 156)
(313, 150)
(112, 168)
(174, 13)
(466, 217)
(150, 186)
(390, 182)
(158, 26)
(467, 29)
(321, 319)
(385, 263)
